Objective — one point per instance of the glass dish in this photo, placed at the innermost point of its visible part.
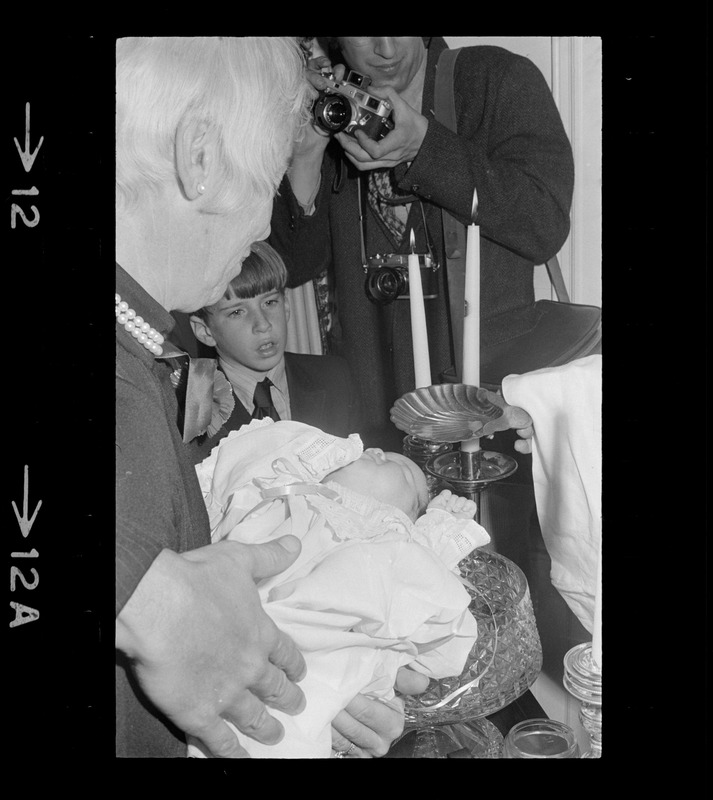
(541, 738)
(506, 657)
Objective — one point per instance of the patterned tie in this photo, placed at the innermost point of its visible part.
(384, 199)
(262, 398)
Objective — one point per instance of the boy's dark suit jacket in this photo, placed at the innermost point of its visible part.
(322, 394)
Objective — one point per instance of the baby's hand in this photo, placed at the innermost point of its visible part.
(460, 507)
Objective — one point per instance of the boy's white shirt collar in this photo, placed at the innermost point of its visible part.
(243, 380)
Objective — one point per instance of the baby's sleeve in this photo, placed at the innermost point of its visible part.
(451, 538)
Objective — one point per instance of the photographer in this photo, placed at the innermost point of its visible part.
(511, 147)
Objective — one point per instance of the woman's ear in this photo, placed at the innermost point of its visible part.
(201, 331)
(195, 150)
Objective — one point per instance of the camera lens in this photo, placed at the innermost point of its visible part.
(385, 284)
(336, 113)
(332, 113)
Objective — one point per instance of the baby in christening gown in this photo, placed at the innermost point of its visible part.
(376, 585)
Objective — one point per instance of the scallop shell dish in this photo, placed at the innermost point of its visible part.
(454, 412)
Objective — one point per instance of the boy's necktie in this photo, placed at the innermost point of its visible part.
(262, 398)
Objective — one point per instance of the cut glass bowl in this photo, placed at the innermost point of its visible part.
(506, 657)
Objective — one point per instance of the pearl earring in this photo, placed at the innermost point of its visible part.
(201, 188)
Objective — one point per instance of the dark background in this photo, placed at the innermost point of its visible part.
(58, 411)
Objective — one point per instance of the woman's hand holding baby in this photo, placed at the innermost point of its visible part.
(367, 728)
(205, 601)
(460, 507)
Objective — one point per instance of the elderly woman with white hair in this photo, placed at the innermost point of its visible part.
(205, 129)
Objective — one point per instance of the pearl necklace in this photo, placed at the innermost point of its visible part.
(149, 337)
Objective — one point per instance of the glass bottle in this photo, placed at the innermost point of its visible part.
(583, 680)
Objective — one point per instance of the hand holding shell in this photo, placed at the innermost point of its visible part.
(455, 412)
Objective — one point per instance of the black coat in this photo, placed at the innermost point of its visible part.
(159, 505)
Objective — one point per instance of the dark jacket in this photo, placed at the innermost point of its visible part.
(322, 394)
(512, 146)
(158, 505)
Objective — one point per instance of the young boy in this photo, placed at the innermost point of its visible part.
(248, 329)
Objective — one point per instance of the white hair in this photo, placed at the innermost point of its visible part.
(252, 89)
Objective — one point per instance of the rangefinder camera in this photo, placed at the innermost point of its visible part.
(347, 106)
(387, 278)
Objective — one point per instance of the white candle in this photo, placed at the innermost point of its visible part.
(419, 332)
(471, 322)
(597, 631)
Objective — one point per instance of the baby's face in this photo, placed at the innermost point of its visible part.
(388, 477)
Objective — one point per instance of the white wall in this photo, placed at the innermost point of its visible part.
(572, 66)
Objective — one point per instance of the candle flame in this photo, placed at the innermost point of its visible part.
(474, 207)
(413, 242)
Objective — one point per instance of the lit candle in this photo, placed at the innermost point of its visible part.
(419, 333)
(597, 631)
(471, 322)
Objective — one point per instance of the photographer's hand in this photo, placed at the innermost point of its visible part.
(400, 145)
(305, 169)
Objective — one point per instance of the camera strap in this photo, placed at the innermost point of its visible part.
(454, 234)
(362, 224)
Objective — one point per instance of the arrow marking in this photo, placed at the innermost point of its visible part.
(25, 524)
(28, 158)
